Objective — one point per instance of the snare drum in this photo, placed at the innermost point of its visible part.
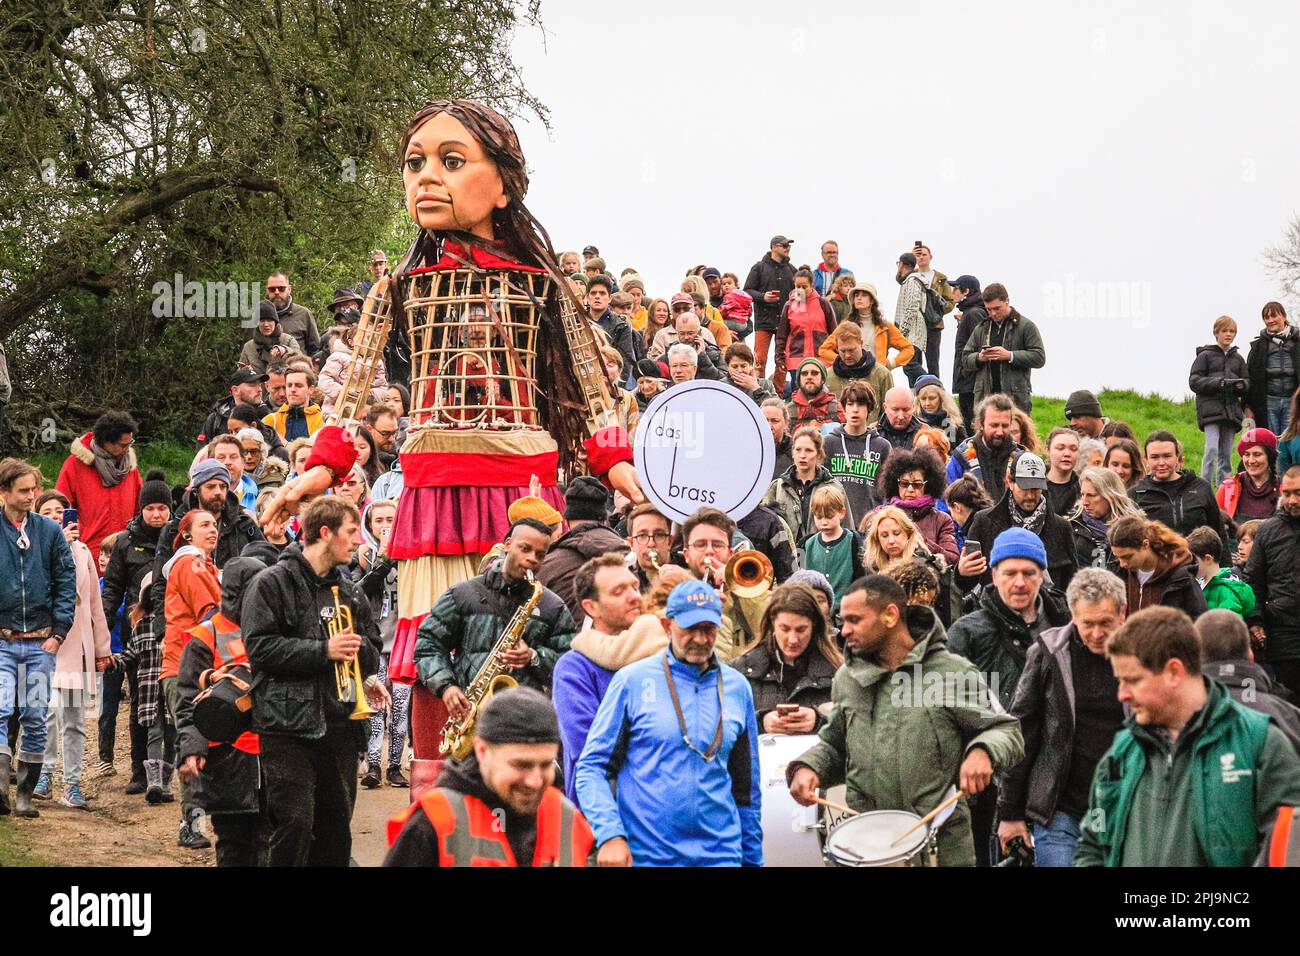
(865, 840)
(790, 832)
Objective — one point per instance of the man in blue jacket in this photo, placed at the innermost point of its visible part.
(38, 597)
(679, 734)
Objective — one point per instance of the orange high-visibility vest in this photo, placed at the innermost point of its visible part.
(222, 637)
(1284, 843)
(470, 834)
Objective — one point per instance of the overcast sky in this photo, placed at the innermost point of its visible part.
(1119, 167)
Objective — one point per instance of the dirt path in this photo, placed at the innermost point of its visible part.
(119, 830)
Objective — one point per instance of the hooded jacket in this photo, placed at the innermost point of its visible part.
(218, 421)
(1210, 799)
(1184, 503)
(297, 321)
(766, 672)
(768, 274)
(972, 314)
(672, 807)
(857, 471)
(131, 560)
(468, 618)
(582, 675)
(278, 419)
(38, 584)
(236, 529)
(334, 373)
(1045, 706)
(284, 623)
(1273, 571)
(800, 332)
(868, 369)
(1225, 590)
(997, 639)
(193, 591)
(1257, 371)
(880, 337)
(893, 752)
(583, 541)
(1173, 584)
(101, 510)
(769, 534)
(1250, 686)
(256, 353)
(819, 409)
(1218, 379)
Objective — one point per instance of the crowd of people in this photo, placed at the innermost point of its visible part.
(1119, 637)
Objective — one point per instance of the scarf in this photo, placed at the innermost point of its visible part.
(921, 505)
(112, 471)
(283, 311)
(267, 342)
(1096, 527)
(861, 370)
(1280, 339)
(1033, 521)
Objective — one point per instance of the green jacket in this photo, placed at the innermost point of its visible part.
(1209, 802)
(1225, 590)
(1023, 341)
(470, 617)
(898, 738)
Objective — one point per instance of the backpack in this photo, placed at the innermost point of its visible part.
(934, 309)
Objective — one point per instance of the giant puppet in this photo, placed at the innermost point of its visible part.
(506, 376)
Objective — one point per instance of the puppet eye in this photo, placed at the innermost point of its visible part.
(415, 163)
(453, 162)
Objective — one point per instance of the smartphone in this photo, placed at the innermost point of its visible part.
(787, 710)
(69, 516)
(972, 547)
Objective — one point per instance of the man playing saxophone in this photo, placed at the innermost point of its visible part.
(463, 628)
(309, 739)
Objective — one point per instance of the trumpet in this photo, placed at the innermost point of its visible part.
(653, 555)
(749, 574)
(347, 674)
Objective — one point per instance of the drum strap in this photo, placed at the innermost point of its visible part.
(714, 747)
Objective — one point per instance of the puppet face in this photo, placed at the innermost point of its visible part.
(451, 183)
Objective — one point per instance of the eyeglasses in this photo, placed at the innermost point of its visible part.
(703, 546)
(646, 537)
(276, 288)
(385, 432)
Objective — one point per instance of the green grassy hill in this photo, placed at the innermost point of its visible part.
(1145, 413)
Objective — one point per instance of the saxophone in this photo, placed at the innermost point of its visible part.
(458, 736)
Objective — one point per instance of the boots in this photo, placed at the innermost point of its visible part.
(167, 795)
(153, 770)
(6, 761)
(191, 835)
(137, 784)
(28, 773)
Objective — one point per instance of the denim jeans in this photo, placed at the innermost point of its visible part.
(1055, 843)
(1220, 439)
(66, 720)
(25, 674)
(1279, 413)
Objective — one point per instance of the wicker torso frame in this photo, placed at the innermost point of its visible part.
(473, 339)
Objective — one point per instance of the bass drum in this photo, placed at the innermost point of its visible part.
(790, 832)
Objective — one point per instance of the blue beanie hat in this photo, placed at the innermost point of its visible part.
(1019, 543)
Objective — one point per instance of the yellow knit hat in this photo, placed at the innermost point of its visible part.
(531, 506)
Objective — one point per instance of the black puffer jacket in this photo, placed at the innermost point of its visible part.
(1273, 572)
(471, 616)
(767, 274)
(997, 640)
(807, 682)
(1184, 503)
(582, 542)
(131, 560)
(972, 314)
(899, 437)
(1219, 382)
(284, 622)
(1250, 686)
(769, 534)
(217, 420)
(1057, 538)
(1092, 549)
(1044, 705)
(1257, 372)
(235, 531)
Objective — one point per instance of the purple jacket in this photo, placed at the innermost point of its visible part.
(577, 687)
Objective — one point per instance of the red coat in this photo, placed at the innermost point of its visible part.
(100, 511)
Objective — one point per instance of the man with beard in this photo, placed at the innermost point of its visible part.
(1023, 505)
(210, 489)
(1004, 350)
(892, 753)
(294, 318)
(813, 403)
(985, 454)
(245, 389)
(899, 422)
(970, 313)
(498, 806)
(1273, 571)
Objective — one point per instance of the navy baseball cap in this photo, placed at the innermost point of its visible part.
(967, 284)
(692, 603)
(711, 273)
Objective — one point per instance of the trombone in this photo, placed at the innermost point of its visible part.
(347, 674)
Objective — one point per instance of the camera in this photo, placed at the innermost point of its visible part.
(1019, 853)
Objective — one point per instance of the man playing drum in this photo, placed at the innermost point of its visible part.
(909, 719)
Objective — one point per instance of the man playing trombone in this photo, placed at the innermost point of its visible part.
(308, 707)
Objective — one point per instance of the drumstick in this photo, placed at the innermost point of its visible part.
(835, 806)
(929, 816)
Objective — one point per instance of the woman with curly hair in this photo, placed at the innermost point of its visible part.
(912, 480)
(658, 317)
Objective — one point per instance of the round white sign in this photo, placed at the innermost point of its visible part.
(704, 444)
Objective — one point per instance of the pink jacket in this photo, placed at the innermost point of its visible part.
(335, 372)
(89, 637)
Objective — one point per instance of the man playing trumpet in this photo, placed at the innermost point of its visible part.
(309, 738)
(706, 546)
